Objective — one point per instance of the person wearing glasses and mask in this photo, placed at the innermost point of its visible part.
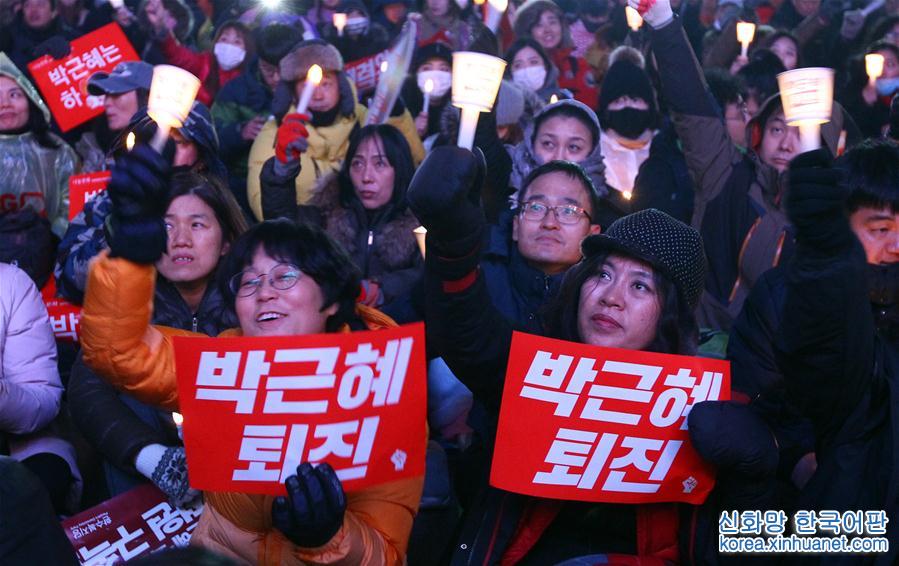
(281, 279)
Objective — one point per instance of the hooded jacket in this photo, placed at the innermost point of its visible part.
(327, 149)
(381, 243)
(120, 343)
(525, 160)
(737, 205)
(32, 175)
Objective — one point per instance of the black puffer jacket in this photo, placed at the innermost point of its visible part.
(105, 416)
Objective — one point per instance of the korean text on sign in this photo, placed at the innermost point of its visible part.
(603, 424)
(85, 187)
(63, 82)
(255, 408)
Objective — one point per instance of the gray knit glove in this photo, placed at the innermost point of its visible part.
(166, 467)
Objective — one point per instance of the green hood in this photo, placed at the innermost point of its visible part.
(9, 69)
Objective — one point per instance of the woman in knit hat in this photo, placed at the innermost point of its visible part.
(636, 288)
(317, 141)
(543, 21)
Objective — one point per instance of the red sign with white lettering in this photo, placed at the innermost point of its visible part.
(132, 524)
(599, 424)
(255, 408)
(65, 317)
(83, 188)
(63, 82)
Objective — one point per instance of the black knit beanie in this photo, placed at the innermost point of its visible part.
(626, 79)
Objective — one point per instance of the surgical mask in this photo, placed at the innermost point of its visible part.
(531, 78)
(886, 87)
(229, 56)
(356, 26)
(443, 80)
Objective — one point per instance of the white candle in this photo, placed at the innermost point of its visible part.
(429, 86)
(313, 78)
(553, 99)
(129, 141)
(874, 67)
(634, 19)
(745, 33)
(179, 420)
(339, 22)
(420, 233)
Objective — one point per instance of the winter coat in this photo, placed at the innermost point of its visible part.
(106, 417)
(30, 388)
(525, 160)
(844, 377)
(242, 99)
(466, 325)
(119, 343)
(664, 181)
(381, 243)
(576, 76)
(200, 64)
(23, 39)
(737, 205)
(32, 175)
(84, 239)
(327, 149)
(352, 48)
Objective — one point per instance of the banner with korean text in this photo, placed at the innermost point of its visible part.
(599, 424)
(84, 187)
(63, 82)
(135, 523)
(65, 317)
(255, 408)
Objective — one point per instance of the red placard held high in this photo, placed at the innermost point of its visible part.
(600, 424)
(63, 82)
(255, 408)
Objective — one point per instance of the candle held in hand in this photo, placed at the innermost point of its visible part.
(429, 87)
(313, 79)
(745, 34)
(874, 67)
(340, 23)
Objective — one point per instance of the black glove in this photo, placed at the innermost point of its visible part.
(815, 203)
(445, 195)
(312, 512)
(733, 438)
(137, 189)
(56, 47)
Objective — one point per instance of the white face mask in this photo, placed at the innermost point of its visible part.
(229, 56)
(531, 78)
(356, 26)
(443, 81)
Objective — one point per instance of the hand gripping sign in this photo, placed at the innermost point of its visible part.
(255, 408)
(599, 424)
(63, 82)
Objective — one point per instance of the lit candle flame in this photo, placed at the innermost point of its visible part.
(383, 66)
(129, 141)
(314, 75)
(874, 65)
(179, 420)
(339, 22)
(429, 86)
(634, 19)
(553, 99)
(479, 2)
(499, 5)
(627, 195)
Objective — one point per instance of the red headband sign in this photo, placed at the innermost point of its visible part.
(255, 408)
(63, 82)
(602, 424)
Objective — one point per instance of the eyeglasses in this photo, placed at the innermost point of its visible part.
(281, 277)
(565, 213)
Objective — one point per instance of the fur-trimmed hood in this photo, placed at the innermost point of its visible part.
(393, 242)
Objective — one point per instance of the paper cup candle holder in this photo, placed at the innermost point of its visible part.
(745, 34)
(476, 80)
(807, 97)
(172, 95)
(873, 67)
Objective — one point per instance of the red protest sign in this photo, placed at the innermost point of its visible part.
(65, 317)
(83, 188)
(129, 525)
(63, 82)
(365, 72)
(255, 408)
(602, 424)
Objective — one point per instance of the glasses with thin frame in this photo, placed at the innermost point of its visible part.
(565, 213)
(281, 277)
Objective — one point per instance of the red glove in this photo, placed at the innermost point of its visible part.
(293, 128)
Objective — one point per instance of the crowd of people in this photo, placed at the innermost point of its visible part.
(634, 188)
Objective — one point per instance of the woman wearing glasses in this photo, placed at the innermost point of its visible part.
(363, 207)
(281, 279)
(637, 287)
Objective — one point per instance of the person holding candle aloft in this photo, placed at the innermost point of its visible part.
(281, 278)
(869, 100)
(434, 63)
(739, 197)
(332, 115)
(360, 37)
